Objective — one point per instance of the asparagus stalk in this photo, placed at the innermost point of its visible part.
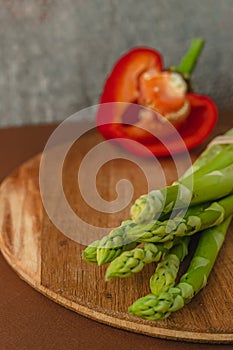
(133, 261)
(166, 271)
(155, 307)
(214, 157)
(206, 157)
(210, 186)
(221, 160)
(211, 151)
(195, 219)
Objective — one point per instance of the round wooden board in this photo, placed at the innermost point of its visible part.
(52, 263)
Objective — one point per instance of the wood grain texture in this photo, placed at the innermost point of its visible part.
(52, 263)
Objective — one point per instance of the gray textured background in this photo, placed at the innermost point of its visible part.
(55, 55)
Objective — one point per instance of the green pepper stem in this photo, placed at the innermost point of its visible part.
(190, 59)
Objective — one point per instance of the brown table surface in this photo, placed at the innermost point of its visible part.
(28, 320)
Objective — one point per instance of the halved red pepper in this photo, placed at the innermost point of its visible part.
(126, 83)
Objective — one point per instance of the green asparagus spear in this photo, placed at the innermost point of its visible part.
(211, 186)
(167, 270)
(195, 219)
(220, 161)
(212, 158)
(133, 261)
(207, 156)
(155, 307)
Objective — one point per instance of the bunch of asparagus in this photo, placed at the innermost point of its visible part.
(160, 229)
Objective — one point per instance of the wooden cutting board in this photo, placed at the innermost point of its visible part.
(51, 263)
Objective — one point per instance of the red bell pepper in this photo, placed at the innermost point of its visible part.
(138, 77)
